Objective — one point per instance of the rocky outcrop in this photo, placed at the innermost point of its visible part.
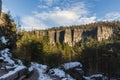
(104, 33)
(71, 36)
(52, 36)
(77, 35)
(40, 33)
(68, 37)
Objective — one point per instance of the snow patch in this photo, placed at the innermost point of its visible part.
(20, 62)
(4, 40)
(71, 65)
(41, 71)
(12, 72)
(57, 72)
(60, 73)
(6, 57)
(96, 75)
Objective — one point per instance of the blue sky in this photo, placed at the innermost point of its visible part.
(42, 14)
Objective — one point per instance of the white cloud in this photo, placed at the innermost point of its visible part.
(111, 16)
(87, 20)
(31, 23)
(73, 14)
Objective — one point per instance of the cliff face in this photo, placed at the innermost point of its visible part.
(104, 33)
(71, 36)
(77, 35)
(68, 37)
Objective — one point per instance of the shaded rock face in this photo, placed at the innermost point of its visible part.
(77, 35)
(71, 36)
(40, 33)
(91, 32)
(61, 36)
(2, 31)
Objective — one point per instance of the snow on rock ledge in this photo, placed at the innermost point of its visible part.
(8, 65)
(50, 74)
(10, 73)
(58, 73)
(41, 71)
(3, 40)
(71, 65)
(5, 55)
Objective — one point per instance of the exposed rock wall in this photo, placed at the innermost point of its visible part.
(104, 33)
(77, 35)
(51, 35)
(57, 36)
(74, 35)
(68, 37)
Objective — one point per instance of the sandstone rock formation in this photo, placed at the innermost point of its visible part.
(68, 37)
(104, 33)
(71, 36)
(51, 35)
(77, 35)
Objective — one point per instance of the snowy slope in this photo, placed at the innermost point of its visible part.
(42, 70)
(8, 62)
(52, 74)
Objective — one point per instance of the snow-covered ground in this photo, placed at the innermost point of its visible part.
(54, 73)
(10, 73)
(4, 40)
(42, 70)
(93, 77)
(6, 57)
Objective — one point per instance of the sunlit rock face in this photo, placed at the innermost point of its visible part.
(68, 37)
(71, 36)
(104, 33)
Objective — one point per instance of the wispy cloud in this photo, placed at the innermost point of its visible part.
(63, 15)
(31, 23)
(4, 8)
(111, 16)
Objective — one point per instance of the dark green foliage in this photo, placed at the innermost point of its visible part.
(100, 57)
(2, 46)
(53, 59)
(8, 28)
(95, 56)
(30, 50)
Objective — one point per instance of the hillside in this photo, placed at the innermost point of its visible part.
(96, 45)
(73, 34)
(82, 52)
